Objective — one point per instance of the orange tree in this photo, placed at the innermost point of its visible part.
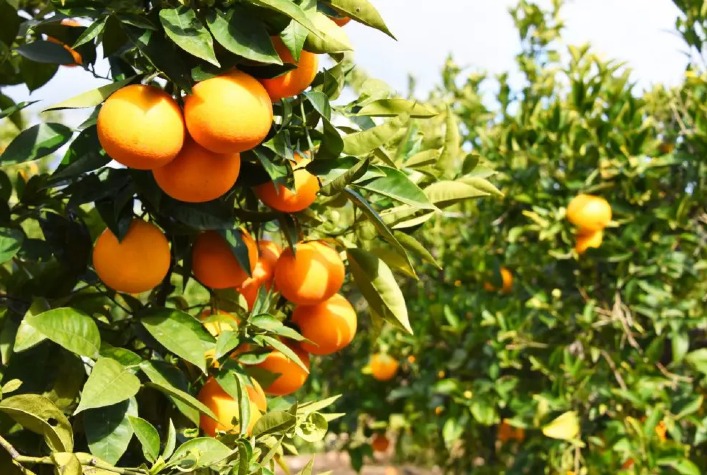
(213, 203)
(563, 336)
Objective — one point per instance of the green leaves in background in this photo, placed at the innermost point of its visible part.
(69, 328)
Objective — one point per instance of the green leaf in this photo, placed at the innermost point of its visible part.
(337, 173)
(182, 396)
(39, 415)
(11, 240)
(186, 30)
(451, 151)
(148, 436)
(91, 32)
(274, 421)
(36, 142)
(376, 282)
(329, 38)
(564, 427)
(69, 328)
(364, 142)
(171, 441)
(180, 333)
(243, 35)
(445, 193)
(46, 52)
(93, 97)
(170, 381)
(394, 107)
(412, 244)
(396, 185)
(285, 350)
(313, 429)
(109, 383)
(205, 451)
(480, 184)
(362, 11)
(289, 9)
(681, 465)
(698, 359)
(108, 429)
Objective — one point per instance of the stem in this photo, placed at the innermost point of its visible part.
(14, 454)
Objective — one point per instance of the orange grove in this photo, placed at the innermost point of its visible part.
(311, 275)
(137, 263)
(214, 263)
(228, 113)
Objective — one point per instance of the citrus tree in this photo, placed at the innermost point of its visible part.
(565, 334)
(169, 270)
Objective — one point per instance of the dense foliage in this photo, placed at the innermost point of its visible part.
(592, 362)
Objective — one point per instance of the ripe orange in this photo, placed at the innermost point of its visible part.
(508, 432)
(661, 430)
(589, 212)
(229, 113)
(383, 366)
(257, 395)
(282, 199)
(330, 325)
(141, 127)
(78, 59)
(137, 263)
(341, 21)
(296, 80)
(380, 443)
(312, 275)
(291, 378)
(225, 408)
(198, 175)
(263, 273)
(214, 264)
(506, 279)
(587, 240)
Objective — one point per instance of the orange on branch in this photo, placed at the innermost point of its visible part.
(380, 443)
(215, 265)
(589, 212)
(587, 240)
(291, 375)
(137, 263)
(229, 113)
(383, 367)
(225, 408)
(141, 127)
(280, 198)
(198, 175)
(311, 275)
(295, 81)
(263, 273)
(329, 325)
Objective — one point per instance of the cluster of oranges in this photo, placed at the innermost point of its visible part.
(591, 214)
(193, 152)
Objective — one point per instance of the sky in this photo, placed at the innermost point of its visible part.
(480, 36)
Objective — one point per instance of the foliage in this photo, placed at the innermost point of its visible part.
(96, 381)
(598, 357)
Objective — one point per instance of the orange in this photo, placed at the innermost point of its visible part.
(291, 375)
(312, 275)
(587, 240)
(280, 198)
(198, 175)
(383, 367)
(294, 81)
(661, 430)
(589, 212)
(137, 263)
(257, 395)
(141, 127)
(214, 264)
(506, 279)
(380, 443)
(330, 325)
(263, 272)
(341, 21)
(228, 113)
(78, 59)
(225, 408)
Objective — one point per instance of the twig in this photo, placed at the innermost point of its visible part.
(617, 375)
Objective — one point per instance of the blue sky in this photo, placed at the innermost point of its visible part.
(480, 36)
